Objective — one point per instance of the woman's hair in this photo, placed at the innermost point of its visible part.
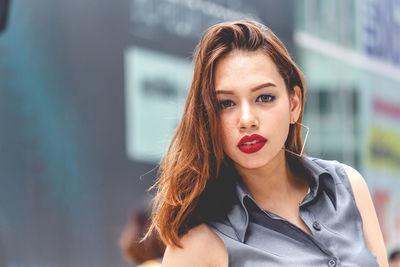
(195, 155)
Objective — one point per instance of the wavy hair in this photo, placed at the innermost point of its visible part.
(195, 155)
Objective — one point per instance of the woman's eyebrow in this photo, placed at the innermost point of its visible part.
(258, 87)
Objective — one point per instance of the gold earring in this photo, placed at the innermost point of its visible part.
(304, 143)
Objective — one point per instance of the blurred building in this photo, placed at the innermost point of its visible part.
(350, 54)
(91, 91)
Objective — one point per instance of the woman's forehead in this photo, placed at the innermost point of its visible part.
(245, 69)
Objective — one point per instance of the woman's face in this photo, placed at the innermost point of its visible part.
(256, 110)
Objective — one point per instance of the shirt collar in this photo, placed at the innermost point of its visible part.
(238, 215)
(319, 179)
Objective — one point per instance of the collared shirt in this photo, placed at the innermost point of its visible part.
(256, 237)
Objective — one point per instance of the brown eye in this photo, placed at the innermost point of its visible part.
(224, 104)
(265, 98)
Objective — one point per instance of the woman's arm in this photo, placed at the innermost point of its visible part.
(201, 247)
(371, 229)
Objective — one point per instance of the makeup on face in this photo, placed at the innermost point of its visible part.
(251, 143)
(254, 113)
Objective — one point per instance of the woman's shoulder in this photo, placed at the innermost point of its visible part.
(359, 187)
(342, 170)
(371, 228)
(200, 247)
(355, 178)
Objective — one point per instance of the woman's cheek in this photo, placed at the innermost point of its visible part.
(227, 139)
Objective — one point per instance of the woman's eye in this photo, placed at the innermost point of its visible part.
(265, 98)
(226, 104)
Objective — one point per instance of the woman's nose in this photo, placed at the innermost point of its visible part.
(248, 119)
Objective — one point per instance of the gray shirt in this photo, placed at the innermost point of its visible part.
(256, 237)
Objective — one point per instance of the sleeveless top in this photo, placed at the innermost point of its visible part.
(256, 237)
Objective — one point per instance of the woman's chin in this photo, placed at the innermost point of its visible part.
(251, 164)
(258, 161)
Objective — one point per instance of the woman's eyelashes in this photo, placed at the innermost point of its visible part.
(264, 98)
(224, 104)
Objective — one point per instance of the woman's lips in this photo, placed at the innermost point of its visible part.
(251, 144)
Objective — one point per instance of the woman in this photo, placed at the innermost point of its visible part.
(234, 188)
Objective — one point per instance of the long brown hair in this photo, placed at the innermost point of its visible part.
(195, 155)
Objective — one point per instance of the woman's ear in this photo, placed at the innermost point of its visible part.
(295, 104)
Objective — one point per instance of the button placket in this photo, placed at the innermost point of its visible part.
(332, 263)
(317, 226)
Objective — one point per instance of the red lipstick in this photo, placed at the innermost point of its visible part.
(251, 144)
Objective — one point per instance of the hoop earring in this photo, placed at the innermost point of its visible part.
(304, 143)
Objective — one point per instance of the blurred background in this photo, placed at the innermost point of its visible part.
(90, 92)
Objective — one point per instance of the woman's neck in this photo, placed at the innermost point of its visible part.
(274, 184)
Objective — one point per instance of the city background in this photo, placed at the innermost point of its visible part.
(91, 91)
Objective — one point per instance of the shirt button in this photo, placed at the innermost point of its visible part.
(317, 226)
(331, 263)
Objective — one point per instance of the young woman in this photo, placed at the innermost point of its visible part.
(234, 188)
